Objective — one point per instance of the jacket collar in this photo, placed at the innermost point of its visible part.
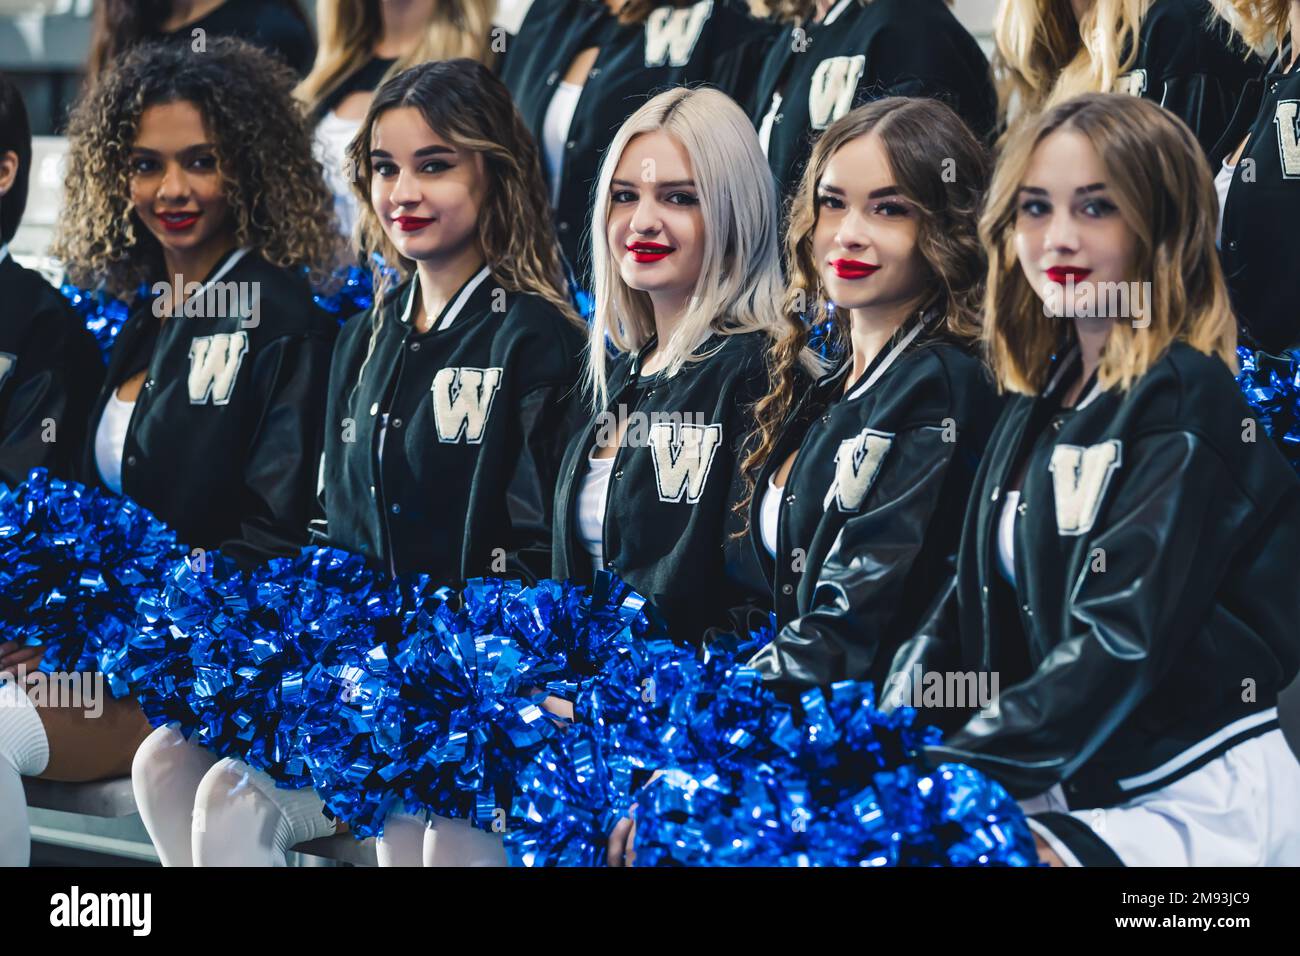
(454, 308)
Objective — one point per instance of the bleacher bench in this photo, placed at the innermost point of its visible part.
(114, 798)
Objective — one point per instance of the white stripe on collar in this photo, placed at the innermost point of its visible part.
(457, 304)
(4, 252)
(1066, 363)
(835, 12)
(893, 355)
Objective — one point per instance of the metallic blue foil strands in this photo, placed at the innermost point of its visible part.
(443, 722)
(102, 315)
(235, 657)
(351, 289)
(743, 780)
(73, 563)
(1271, 385)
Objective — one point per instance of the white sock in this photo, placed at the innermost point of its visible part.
(24, 752)
(450, 842)
(242, 818)
(165, 777)
(402, 842)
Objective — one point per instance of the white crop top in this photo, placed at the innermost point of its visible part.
(1007, 536)
(769, 515)
(333, 133)
(1222, 183)
(555, 131)
(110, 439)
(591, 508)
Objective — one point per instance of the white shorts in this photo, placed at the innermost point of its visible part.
(1240, 809)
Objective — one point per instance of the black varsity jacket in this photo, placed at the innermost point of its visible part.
(712, 42)
(1193, 64)
(1153, 617)
(50, 371)
(674, 482)
(441, 456)
(225, 435)
(1258, 247)
(816, 72)
(871, 512)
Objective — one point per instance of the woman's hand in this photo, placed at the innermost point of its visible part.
(14, 655)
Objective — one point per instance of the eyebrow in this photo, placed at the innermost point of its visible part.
(880, 193)
(1081, 191)
(670, 184)
(197, 147)
(422, 151)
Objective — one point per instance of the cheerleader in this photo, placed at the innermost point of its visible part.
(448, 412)
(858, 484)
(688, 294)
(50, 368)
(1127, 564)
(1259, 186)
(578, 68)
(362, 44)
(839, 53)
(1183, 54)
(185, 168)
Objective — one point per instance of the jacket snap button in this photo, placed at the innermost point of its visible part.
(1028, 611)
(415, 346)
(610, 567)
(563, 227)
(372, 491)
(789, 499)
(550, 80)
(130, 460)
(374, 409)
(149, 384)
(1021, 508)
(787, 589)
(570, 144)
(397, 423)
(618, 474)
(1233, 245)
(397, 509)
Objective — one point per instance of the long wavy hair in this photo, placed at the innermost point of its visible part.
(1262, 23)
(272, 184)
(739, 287)
(942, 170)
(1157, 173)
(349, 30)
(464, 103)
(1044, 54)
(119, 25)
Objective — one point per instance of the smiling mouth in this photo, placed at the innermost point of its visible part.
(411, 223)
(853, 268)
(178, 221)
(648, 251)
(1063, 274)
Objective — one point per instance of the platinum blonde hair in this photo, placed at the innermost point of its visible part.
(740, 286)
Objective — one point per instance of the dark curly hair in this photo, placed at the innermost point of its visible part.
(942, 169)
(274, 186)
(15, 137)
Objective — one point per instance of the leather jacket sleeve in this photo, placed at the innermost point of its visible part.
(846, 632)
(282, 464)
(1205, 103)
(1178, 504)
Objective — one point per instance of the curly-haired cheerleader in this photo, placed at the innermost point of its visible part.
(50, 368)
(449, 408)
(193, 175)
(1127, 567)
(859, 483)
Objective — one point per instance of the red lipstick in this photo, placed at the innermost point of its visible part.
(412, 223)
(178, 221)
(853, 268)
(643, 251)
(1062, 274)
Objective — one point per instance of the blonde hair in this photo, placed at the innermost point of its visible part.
(1261, 23)
(1044, 54)
(349, 30)
(1157, 174)
(739, 287)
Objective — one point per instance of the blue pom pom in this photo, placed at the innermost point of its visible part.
(1271, 386)
(73, 563)
(102, 314)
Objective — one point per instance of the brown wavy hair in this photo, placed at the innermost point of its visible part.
(468, 106)
(1165, 192)
(797, 11)
(273, 185)
(942, 170)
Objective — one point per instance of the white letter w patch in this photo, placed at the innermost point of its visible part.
(683, 455)
(214, 366)
(857, 462)
(462, 400)
(1079, 479)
